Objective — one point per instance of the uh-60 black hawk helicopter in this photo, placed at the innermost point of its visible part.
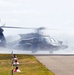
(32, 41)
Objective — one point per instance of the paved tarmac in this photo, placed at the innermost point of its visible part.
(59, 65)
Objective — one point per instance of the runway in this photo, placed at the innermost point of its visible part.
(59, 65)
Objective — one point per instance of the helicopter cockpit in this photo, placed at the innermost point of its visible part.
(52, 41)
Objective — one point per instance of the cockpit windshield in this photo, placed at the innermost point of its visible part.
(51, 40)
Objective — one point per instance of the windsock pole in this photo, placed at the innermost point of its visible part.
(12, 71)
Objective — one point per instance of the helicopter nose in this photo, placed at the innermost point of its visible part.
(64, 46)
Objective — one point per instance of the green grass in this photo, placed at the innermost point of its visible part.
(28, 65)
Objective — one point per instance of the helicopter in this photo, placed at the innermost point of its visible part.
(33, 41)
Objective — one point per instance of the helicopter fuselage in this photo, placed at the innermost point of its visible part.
(39, 42)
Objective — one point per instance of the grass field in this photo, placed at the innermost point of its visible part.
(28, 65)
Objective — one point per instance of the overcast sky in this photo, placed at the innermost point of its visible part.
(37, 13)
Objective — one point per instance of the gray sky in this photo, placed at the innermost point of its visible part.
(36, 13)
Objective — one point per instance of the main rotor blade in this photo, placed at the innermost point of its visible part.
(40, 28)
(16, 27)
